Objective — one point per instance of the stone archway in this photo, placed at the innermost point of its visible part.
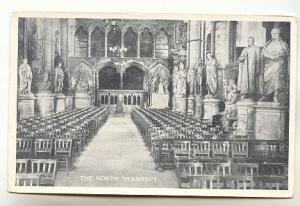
(135, 75)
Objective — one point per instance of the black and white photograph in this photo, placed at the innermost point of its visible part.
(151, 105)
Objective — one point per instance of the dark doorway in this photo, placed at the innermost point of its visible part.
(109, 78)
(133, 79)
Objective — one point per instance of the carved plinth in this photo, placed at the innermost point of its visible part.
(26, 106)
(81, 100)
(60, 103)
(159, 100)
(44, 104)
(191, 105)
(179, 104)
(199, 107)
(211, 107)
(270, 121)
(246, 117)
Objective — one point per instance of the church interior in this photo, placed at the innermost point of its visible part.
(152, 103)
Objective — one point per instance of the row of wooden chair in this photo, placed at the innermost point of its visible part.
(230, 175)
(35, 172)
(61, 147)
(200, 160)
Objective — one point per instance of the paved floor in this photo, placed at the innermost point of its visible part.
(117, 157)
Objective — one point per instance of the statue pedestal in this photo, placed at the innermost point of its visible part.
(179, 104)
(81, 100)
(60, 103)
(44, 104)
(191, 105)
(270, 121)
(211, 107)
(199, 107)
(159, 100)
(25, 106)
(246, 117)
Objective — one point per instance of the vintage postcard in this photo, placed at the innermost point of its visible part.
(152, 104)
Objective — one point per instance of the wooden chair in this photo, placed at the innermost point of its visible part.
(245, 169)
(244, 182)
(201, 148)
(43, 148)
(28, 179)
(63, 153)
(21, 165)
(24, 147)
(46, 168)
(239, 149)
(182, 152)
(220, 149)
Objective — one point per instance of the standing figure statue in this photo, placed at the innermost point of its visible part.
(191, 79)
(274, 54)
(199, 76)
(249, 63)
(180, 86)
(59, 78)
(25, 77)
(211, 75)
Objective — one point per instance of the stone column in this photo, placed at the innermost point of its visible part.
(246, 117)
(213, 37)
(270, 121)
(138, 46)
(211, 108)
(194, 54)
(44, 97)
(64, 39)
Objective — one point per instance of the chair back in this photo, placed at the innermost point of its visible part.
(21, 165)
(63, 147)
(43, 146)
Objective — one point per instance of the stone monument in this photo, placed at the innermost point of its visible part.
(180, 82)
(60, 99)
(192, 83)
(211, 103)
(270, 120)
(159, 79)
(82, 81)
(25, 97)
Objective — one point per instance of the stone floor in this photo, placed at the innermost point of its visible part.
(117, 157)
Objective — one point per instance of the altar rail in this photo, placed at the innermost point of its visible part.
(127, 98)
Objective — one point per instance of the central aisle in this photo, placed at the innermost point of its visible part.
(116, 157)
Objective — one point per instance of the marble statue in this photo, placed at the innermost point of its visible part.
(159, 74)
(199, 76)
(249, 70)
(211, 75)
(25, 77)
(160, 88)
(191, 79)
(59, 78)
(180, 76)
(232, 98)
(274, 55)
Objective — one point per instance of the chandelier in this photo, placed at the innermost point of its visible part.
(119, 54)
